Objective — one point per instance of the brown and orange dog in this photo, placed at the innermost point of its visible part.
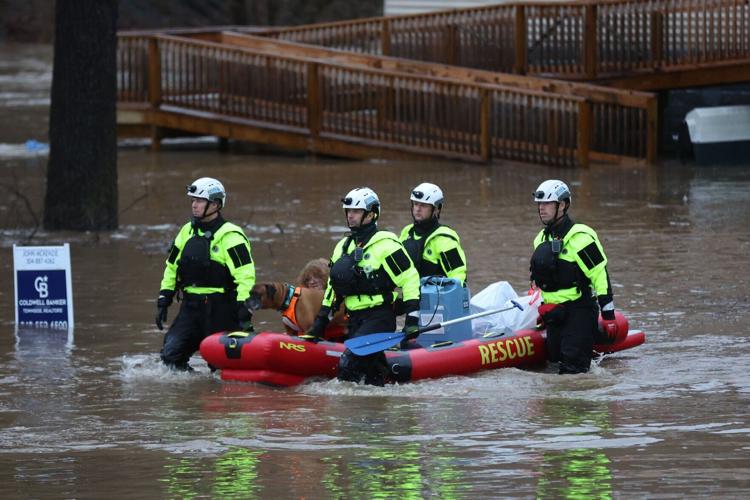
(298, 307)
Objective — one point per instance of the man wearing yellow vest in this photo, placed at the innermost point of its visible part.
(367, 266)
(211, 264)
(434, 248)
(568, 262)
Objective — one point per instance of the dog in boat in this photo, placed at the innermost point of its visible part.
(298, 307)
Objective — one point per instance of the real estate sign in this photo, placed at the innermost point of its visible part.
(43, 287)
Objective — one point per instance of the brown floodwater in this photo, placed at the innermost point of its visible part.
(94, 413)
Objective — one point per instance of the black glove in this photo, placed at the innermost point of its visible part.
(411, 327)
(410, 331)
(411, 322)
(162, 304)
(609, 325)
(321, 322)
(244, 316)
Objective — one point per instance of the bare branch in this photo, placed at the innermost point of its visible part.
(18, 194)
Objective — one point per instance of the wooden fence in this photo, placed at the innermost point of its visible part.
(417, 114)
(580, 40)
(473, 118)
(623, 123)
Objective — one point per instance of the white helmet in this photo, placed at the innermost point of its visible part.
(209, 189)
(427, 193)
(363, 198)
(552, 190)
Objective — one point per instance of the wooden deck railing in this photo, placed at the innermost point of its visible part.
(623, 123)
(440, 83)
(580, 40)
(332, 101)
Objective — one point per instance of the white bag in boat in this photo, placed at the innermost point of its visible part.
(498, 295)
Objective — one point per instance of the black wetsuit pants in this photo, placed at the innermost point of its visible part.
(372, 368)
(199, 316)
(570, 335)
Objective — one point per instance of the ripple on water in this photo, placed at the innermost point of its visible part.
(148, 368)
(201, 447)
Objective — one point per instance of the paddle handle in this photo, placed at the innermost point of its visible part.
(471, 316)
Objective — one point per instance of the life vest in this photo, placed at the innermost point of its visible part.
(554, 268)
(415, 246)
(348, 278)
(289, 308)
(289, 315)
(196, 268)
(549, 271)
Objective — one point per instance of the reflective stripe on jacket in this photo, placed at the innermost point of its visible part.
(442, 254)
(230, 248)
(580, 246)
(384, 251)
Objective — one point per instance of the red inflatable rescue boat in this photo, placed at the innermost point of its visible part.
(282, 360)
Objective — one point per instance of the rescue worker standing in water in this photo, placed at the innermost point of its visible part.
(569, 261)
(211, 264)
(367, 266)
(434, 248)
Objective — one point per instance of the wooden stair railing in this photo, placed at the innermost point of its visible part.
(216, 89)
(624, 123)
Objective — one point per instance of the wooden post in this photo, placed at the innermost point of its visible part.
(154, 73)
(385, 37)
(652, 129)
(450, 49)
(584, 132)
(154, 88)
(313, 101)
(155, 134)
(657, 39)
(589, 42)
(386, 103)
(520, 65)
(222, 89)
(484, 125)
(553, 143)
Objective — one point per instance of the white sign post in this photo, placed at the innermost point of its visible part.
(43, 286)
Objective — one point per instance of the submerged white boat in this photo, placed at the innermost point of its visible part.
(720, 135)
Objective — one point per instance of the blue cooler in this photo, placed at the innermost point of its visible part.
(443, 299)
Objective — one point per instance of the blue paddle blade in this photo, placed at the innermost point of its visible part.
(375, 342)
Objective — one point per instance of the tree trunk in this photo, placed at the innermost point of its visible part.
(82, 169)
